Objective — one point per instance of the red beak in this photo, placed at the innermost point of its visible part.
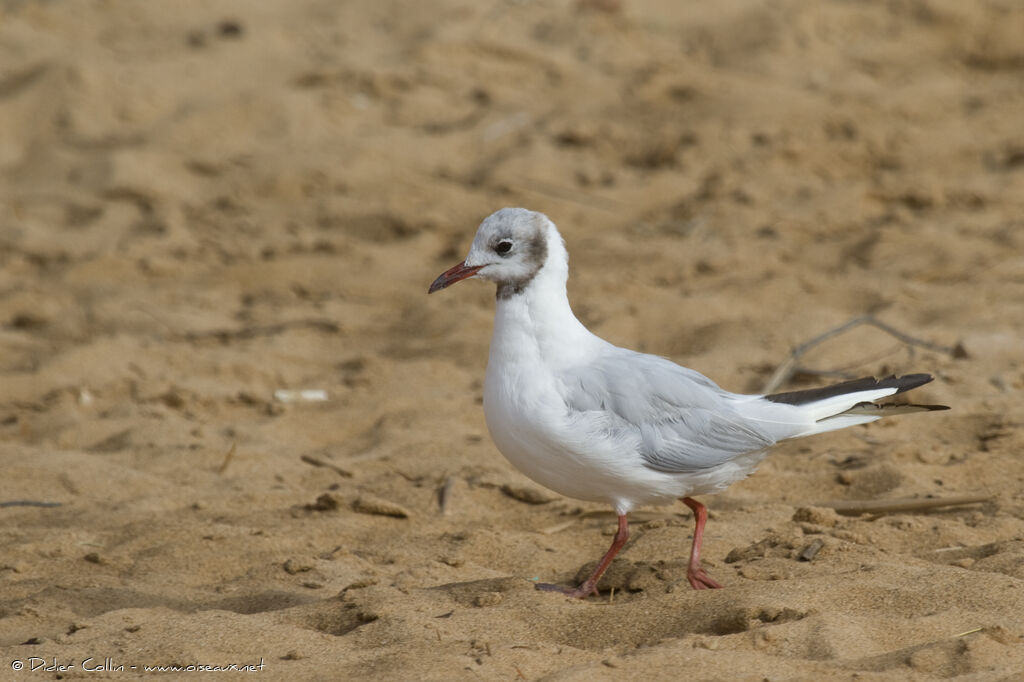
(453, 275)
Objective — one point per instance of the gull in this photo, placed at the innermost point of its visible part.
(600, 423)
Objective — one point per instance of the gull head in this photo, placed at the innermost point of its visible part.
(511, 246)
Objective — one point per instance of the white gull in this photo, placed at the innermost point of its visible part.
(596, 422)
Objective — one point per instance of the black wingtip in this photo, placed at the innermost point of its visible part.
(901, 384)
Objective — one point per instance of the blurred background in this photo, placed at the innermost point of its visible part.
(207, 207)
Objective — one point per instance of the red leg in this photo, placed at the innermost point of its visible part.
(695, 573)
(589, 585)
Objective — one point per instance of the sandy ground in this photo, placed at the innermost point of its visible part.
(206, 202)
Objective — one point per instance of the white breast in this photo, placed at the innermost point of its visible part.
(530, 424)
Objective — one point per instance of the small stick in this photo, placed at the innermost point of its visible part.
(311, 460)
(906, 504)
(969, 632)
(227, 459)
(444, 494)
(29, 503)
(788, 368)
(906, 338)
(849, 371)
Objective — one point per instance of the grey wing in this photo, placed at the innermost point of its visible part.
(679, 420)
(699, 439)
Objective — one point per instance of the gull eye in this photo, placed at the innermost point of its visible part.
(503, 247)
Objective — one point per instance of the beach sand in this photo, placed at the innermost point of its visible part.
(209, 207)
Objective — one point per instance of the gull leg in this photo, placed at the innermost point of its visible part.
(695, 573)
(589, 585)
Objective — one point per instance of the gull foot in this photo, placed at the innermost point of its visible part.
(700, 580)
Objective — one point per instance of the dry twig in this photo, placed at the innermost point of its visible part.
(227, 460)
(444, 493)
(906, 504)
(315, 461)
(789, 367)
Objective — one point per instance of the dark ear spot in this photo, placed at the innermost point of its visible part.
(536, 255)
(538, 250)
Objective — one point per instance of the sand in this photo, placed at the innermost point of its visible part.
(204, 204)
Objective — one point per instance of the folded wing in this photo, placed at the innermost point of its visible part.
(682, 422)
(677, 419)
